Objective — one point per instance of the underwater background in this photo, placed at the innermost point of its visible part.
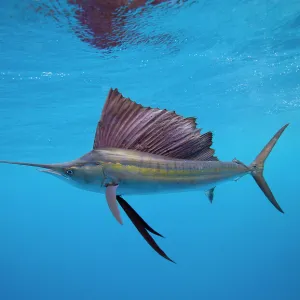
(235, 65)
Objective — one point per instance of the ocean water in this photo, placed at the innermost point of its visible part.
(235, 65)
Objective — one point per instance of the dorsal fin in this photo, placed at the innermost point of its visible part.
(127, 125)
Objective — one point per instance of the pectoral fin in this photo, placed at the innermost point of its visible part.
(111, 199)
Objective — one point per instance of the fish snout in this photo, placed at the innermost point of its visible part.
(53, 172)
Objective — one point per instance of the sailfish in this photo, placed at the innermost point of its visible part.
(140, 150)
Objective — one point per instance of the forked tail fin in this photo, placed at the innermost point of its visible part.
(257, 168)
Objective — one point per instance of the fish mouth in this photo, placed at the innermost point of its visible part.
(53, 172)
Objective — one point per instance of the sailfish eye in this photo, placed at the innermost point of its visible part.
(69, 172)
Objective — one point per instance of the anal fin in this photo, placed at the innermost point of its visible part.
(210, 194)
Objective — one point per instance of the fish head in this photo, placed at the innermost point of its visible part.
(84, 176)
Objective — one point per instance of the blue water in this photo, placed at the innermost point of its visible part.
(235, 65)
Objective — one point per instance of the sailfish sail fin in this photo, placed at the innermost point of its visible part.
(127, 125)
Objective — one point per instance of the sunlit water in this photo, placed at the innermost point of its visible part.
(235, 65)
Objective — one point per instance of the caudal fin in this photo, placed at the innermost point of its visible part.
(257, 167)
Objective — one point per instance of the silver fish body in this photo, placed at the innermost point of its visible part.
(142, 173)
